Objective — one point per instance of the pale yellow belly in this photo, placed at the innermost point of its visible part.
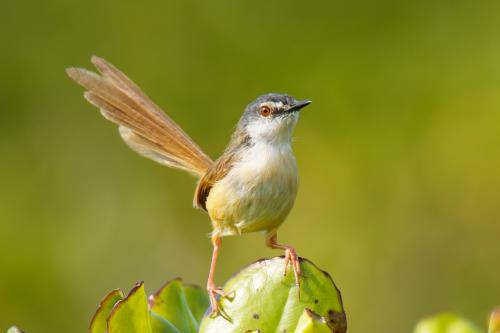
(253, 196)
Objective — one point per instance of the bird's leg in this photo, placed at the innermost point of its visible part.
(212, 289)
(290, 256)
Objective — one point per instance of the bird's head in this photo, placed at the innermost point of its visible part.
(271, 118)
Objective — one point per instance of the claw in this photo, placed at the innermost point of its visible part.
(219, 292)
(291, 257)
(213, 291)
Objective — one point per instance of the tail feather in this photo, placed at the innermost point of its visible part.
(142, 124)
(150, 149)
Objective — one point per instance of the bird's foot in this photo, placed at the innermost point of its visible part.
(292, 258)
(213, 291)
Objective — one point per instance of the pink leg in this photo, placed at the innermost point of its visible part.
(212, 289)
(290, 256)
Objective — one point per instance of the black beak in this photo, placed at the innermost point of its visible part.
(298, 105)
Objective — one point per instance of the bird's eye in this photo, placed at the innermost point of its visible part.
(265, 110)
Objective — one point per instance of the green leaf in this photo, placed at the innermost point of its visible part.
(177, 309)
(14, 329)
(161, 325)
(446, 323)
(310, 322)
(198, 301)
(131, 315)
(99, 323)
(262, 299)
(170, 302)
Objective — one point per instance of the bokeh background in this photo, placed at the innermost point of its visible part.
(399, 155)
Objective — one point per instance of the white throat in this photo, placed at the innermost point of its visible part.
(272, 131)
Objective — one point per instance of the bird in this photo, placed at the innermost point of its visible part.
(251, 187)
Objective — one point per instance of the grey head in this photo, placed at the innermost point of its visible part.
(270, 118)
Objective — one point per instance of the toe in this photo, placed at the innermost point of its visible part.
(220, 292)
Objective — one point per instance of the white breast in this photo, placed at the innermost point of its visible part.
(258, 192)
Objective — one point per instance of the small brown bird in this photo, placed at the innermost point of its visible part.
(251, 187)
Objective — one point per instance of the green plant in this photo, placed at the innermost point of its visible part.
(451, 323)
(446, 322)
(14, 329)
(260, 299)
(175, 308)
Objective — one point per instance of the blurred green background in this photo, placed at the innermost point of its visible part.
(399, 155)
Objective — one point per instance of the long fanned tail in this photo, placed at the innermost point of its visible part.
(142, 124)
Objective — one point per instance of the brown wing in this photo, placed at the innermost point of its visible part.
(143, 125)
(239, 141)
(218, 171)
